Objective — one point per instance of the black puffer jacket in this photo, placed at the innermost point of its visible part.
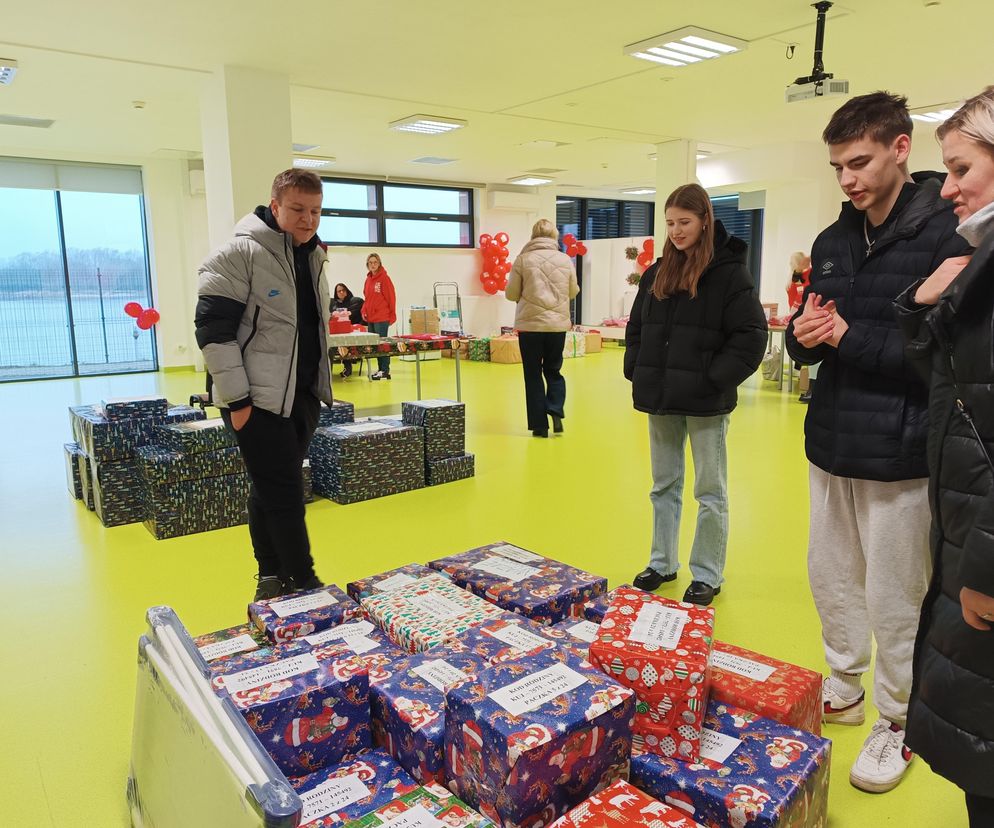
(868, 414)
(951, 716)
(688, 356)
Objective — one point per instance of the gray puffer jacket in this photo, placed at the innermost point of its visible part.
(247, 319)
(542, 283)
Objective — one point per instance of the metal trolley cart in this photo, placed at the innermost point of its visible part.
(446, 298)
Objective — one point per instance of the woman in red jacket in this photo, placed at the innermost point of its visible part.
(380, 308)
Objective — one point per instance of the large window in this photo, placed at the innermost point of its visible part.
(405, 215)
(600, 218)
(72, 254)
(746, 224)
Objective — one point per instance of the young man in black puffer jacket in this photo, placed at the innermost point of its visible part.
(866, 426)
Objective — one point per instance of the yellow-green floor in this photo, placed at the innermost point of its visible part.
(75, 593)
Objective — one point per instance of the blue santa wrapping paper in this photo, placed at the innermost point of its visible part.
(544, 590)
(387, 581)
(303, 613)
(307, 713)
(753, 773)
(502, 639)
(528, 739)
(349, 790)
(596, 609)
(576, 633)
(222, 645)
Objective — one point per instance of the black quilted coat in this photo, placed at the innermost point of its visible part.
(951, 717)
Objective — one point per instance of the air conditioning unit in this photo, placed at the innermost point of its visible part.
(519, 202)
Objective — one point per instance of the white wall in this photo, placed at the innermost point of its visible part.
(605, 269)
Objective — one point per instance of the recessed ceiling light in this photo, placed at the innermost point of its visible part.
(640, 191)
(432, 159)
(530, 180)
(305, 147)
(685, 46)
(20, 120)
(312, 163)
(427, 124)
(543, 144)
(8, 68)
(934, 115)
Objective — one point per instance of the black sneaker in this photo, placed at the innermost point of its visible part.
(314, 582)
(649, 580)
(269, 587)
(700, 593)
(557, 424)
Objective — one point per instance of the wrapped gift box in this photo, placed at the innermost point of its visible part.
(337, 413)
(575, 345)
(478, 350)
(660, 649)
(190, 506)
(775, 689)
(306, 712)
(520, 581)
(303, 613)
(450, 469)
(354, 339)
(387, 581)
(193, 437)
(754, 772)
(308, 482)
(528, 740)
(408, 709)
(623, 806)
(351, 789)
(105, 441)
(117, 493)
(159, 465)
(576, 633)
(427, 613)
(502, 639)
(219, 646)
(504, 349)
(130, 408)
(593, 342)
(73, 452)
(364, 460)
(425, 807)
(444, 424)
(596, 609)
(85, 470)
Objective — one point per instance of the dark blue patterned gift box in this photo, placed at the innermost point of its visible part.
(450, 469)
(129, 408)
(105, 441)
(303, 613)
(161, 465)
(387, 581)
(117, 492)
(528, 740)
(222, 645)
(576, 633)
(596, 609)
(503, 639)
(193, 437)
(73, 452)
(753, 771)
(338, 412)
(539, 588)
(444, 424)
(190, 506)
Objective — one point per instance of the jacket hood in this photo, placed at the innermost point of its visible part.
(260, 225)
(540, 243)
(728, 249)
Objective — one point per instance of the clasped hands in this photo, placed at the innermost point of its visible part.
(819, 323)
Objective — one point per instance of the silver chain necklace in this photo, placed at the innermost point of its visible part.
(866, 235)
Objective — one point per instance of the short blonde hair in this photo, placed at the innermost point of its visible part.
(796, 260)
(545, 229)
(974, 120)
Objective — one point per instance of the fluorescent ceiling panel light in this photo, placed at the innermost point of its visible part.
(8, 68)
(530, 180)
(432, 159)
(19, 120)
(640, 191)
(701, 155)
(691, 44)
(427, 124)
(542, 143)
(935, 116)
(312, 163)
(305, 147)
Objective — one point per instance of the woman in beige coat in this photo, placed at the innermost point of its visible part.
(543, 282)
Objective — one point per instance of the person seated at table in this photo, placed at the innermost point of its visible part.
(343, 299)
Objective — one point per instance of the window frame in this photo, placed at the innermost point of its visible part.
(381, 216)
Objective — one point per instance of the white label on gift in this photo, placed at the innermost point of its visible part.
(292, 606)
(585, 631)
(439, 673)
(363, 428)
(437, 607)
(518, 636)
(394, 582)
(416, 817)
(277, 671)
(203, 425)
(332, 796)
(742, 666)
(435, 403)
(238, 644)
(515, 553)
(717, 746)
(659, 625)
(503, 568)
(531, 693)
(356, 630)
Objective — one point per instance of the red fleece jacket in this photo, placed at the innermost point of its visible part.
(381, 301)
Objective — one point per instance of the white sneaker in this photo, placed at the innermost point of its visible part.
(883, 760)
(839, 710)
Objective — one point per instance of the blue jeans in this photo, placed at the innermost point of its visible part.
(667, 438)
(380, 328)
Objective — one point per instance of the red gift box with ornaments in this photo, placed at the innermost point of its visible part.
(622, 806)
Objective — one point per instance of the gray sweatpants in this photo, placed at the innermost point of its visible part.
(869, 565)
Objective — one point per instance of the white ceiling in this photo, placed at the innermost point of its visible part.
(516, 71)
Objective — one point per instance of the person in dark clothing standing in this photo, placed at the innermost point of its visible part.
(866, 425)
(696, 332)
(262, 322)
(948, 320)
(342, 299)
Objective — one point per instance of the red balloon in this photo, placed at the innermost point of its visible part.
(502, 238)
(569, 239)
(144, 324)
(502, 253)
(490, 286)
(581, 248)
(503, 268)
(571, 251)
(485, 239)
(133, 309)
(148, 318)
(502, 283)
(643, 259)
(648, 246)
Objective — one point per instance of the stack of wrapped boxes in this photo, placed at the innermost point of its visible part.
(443, 423)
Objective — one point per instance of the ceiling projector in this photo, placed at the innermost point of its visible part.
(819, 84)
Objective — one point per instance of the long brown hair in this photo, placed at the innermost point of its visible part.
(678, 270)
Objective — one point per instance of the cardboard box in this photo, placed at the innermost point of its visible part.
(387, 581)
(661, 650)
(528, 740)
(754, 772)
(522, 582)
(303, 613)
(425, 321)
(426, 807)
(594, 342)
(623, 806)
(504, 349)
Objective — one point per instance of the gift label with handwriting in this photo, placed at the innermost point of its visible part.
(360, 629)
(437, 607)
(277, 671)
(435, 403)
(401, 579)
(331, 796)
(532, 692)
(292, 606)
(508, 570)
(416, 817)
(585, 631)
(517, 636)
(516, 553)
(717, 746)
(754, 670)
(439, 673)
(238, 644)
(659, 625)
(203, 425)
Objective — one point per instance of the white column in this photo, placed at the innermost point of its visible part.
(247, 140)
(676, 164)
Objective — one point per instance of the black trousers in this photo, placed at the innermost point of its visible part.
(274, 448)
(981, 811)
(545, 386)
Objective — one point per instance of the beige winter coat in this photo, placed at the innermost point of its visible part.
(542, 283)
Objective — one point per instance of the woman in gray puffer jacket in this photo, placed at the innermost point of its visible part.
(543, 282)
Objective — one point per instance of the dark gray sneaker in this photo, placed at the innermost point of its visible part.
(313, 582)
(269, 586)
